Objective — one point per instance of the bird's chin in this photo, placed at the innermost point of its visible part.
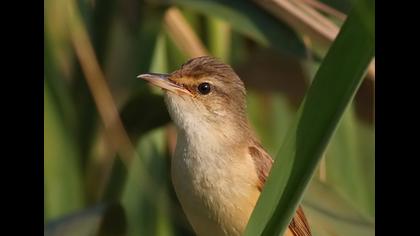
(179, 108)
(186, 113)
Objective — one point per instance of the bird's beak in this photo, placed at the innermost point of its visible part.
(162, 81)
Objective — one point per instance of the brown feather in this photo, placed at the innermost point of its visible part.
(263, 163)
(299, 225)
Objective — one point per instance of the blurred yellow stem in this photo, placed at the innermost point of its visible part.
(183, 35)
(97, 84)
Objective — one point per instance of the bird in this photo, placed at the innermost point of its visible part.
(219, 167)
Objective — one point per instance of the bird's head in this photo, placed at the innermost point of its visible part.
(204, 93)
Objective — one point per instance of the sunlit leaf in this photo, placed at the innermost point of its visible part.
(332, 90)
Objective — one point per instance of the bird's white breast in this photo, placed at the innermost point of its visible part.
(215, 185)
(213, 175)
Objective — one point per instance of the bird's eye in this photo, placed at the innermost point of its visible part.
(204, 88)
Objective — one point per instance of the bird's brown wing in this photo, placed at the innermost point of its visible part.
(263, 163)
(299, 225)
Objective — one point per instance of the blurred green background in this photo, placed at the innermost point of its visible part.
(108, 138)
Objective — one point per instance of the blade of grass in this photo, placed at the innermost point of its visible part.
(332, 90)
